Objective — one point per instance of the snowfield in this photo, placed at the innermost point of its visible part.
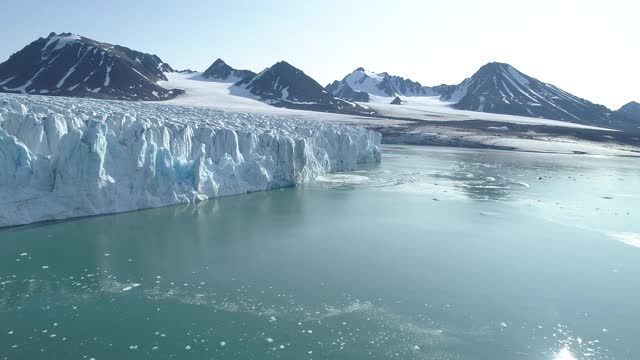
(431, 108)
(65, 157)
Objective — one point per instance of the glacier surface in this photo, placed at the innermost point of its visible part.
(64, 157)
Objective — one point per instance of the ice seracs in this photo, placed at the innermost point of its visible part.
(63, 157)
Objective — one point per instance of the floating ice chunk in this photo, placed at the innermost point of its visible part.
(130, 287)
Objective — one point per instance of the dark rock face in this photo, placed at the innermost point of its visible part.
(72, 65)
(406, 87)
(220, 71)
(342, 90)
(396, 101)
(283, 85)
(631, 111)
(500, 88)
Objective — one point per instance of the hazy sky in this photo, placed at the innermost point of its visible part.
(589, 48)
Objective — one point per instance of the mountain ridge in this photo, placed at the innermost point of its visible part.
(359, 82)
(284, 85)
(221, 71)
(71, 65)
(502, 89)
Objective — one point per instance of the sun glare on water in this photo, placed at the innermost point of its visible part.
(564, 354)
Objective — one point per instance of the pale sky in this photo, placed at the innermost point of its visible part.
(588, 48)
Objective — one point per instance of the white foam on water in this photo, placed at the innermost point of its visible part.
(343, 179)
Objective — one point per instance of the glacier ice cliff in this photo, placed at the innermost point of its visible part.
(63, 157)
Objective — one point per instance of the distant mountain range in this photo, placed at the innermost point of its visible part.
(284, 85)
(360, 84)
(71, 65)
(495, 88)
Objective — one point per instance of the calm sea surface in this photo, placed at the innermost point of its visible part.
(441, 254)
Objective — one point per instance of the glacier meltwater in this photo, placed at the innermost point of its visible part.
(63, 157)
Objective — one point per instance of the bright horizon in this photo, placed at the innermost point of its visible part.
(584, 47)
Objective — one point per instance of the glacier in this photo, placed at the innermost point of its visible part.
(69, 157)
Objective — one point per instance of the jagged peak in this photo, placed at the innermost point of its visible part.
(283, 66)
(502, 70)
(218, 64)
(54, 34)
(497, 66)
(631, 106)
(283, 63)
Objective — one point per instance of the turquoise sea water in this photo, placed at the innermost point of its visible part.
(442, 254)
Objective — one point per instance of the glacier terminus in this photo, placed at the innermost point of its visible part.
(62, 157)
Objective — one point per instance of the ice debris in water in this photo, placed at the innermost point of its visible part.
(65, 157)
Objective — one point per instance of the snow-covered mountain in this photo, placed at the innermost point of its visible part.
(342, 90)
(631, 111)
(361, 83)
(72, 65)
(283, 85)
(500, 88)
(220, 71)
